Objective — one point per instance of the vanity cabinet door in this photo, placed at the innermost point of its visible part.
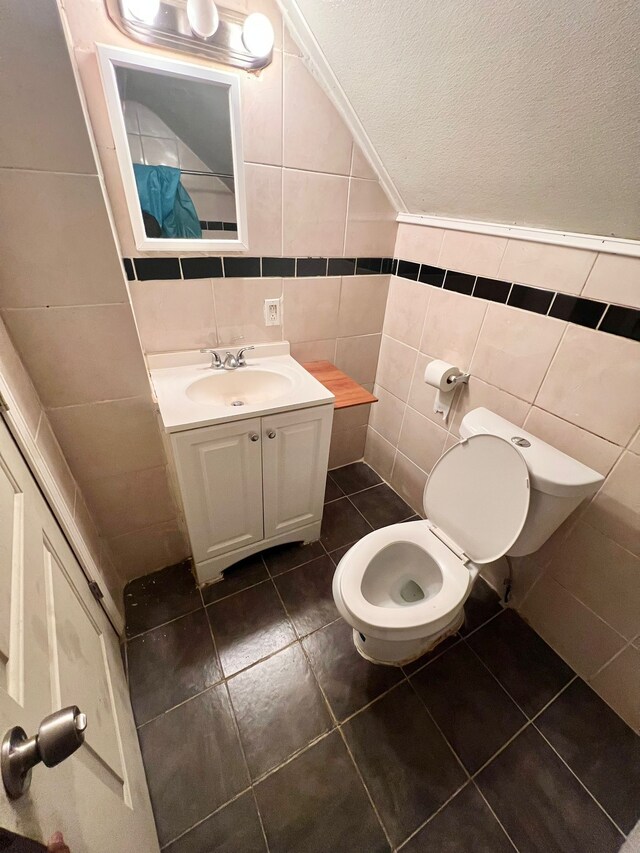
(294, 463)
(220, 474)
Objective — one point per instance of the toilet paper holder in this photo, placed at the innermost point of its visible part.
(445, 378)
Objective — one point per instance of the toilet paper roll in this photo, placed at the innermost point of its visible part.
(440, 374)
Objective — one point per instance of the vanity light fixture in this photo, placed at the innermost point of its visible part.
(203, 17)
(257, 34)
(197, 27)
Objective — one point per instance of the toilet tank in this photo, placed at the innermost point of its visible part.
(558, 482)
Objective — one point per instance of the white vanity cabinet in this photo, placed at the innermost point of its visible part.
(250, 484)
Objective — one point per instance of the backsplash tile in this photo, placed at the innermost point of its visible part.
(311, 266)
(492, 289)
(459, 282)
(622, 321)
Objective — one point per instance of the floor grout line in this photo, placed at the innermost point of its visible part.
(337, 725)
(578, 779)
(490, 807)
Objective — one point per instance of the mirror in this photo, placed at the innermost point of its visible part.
(176, 128)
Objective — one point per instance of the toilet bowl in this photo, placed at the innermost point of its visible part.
(402, 588)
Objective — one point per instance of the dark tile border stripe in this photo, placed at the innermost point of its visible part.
(614, 319)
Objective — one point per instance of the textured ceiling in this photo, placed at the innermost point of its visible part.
(524, 112)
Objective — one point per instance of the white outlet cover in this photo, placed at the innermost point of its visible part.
(272, 312)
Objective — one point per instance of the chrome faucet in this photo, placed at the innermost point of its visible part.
(216, 361)
(231, 361)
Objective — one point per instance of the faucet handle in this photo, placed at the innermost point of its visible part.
(216, 361)
(240, 357)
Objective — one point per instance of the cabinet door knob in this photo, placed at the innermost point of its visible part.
(254, 436)
(271, 433)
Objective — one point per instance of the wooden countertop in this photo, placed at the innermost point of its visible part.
(345, 389)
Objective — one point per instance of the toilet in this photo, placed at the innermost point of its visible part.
(499, 491)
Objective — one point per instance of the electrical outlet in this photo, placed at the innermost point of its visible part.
(272, 312)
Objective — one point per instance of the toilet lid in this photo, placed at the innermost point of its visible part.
(478, 495)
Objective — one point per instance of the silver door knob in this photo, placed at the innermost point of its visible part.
(254, 436)
(59, 735)
(271, 433)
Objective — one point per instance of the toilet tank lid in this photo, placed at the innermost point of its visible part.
(478, 495)
(550, 470)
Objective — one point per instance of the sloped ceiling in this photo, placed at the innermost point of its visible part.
(522, 112)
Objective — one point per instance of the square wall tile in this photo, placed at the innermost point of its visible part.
(584, 446)
(614, 278)
(347, 446)
(515, 349)
(601, 575)
(240, 309)
(371, 221)
(589, 383)
(315, 211)
(310, 308)
(452, 326)
(143, 551)
(478, 393)
(358, 357)
(80, 354)
(130, 501)
(419, 243)
(421, 440)
(304, 351)
(379, 453)
(362, 305)
(47, 272)
(262, 114)
(580, 637)
(174, 315)
(48, 446)
(315, 136)
(395, 367)
(615, 511)
(101, 439)
(360, 166)
(479, 254)
(264, 209)
(406, 308)
(386, 415)
(554, 267)
(619, 685)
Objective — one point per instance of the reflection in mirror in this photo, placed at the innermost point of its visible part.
(180, 144)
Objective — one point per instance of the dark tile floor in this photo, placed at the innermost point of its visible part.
(262, 729)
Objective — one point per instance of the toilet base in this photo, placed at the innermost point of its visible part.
(398, 653)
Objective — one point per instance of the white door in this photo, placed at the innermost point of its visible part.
(295, 453)
(220, 474)
(57, 648)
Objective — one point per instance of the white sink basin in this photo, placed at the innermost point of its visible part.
(240, 387)
(192, 394)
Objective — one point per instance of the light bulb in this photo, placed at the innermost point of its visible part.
(257, 34)
(203, 17)
(144, 10)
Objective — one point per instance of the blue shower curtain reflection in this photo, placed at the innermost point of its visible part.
(163, 197)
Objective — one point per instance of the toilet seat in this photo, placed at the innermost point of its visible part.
(476, 501)
(406, 622)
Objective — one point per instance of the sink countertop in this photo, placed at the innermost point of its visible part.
(173, 373)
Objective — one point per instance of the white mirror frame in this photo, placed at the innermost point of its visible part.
(111, 58)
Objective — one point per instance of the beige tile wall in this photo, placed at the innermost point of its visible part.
(323, 318)
(309, 189)
(65, 305)
(309, 192)
(576, 388)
